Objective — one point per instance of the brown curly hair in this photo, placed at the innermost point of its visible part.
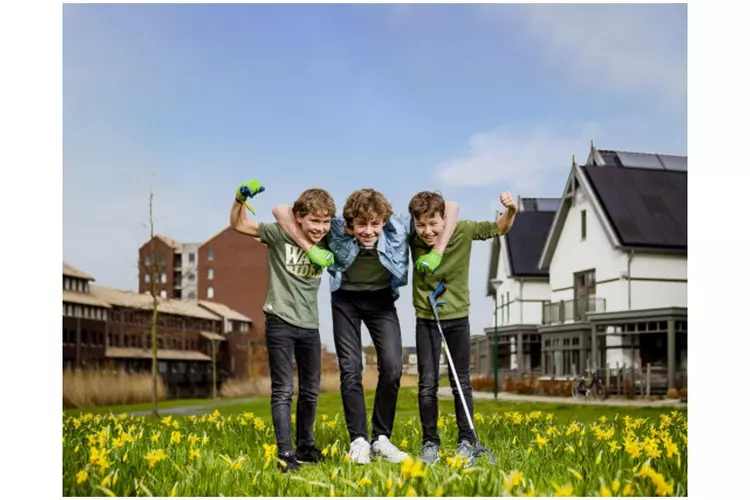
(429, 203)
(367, 204)
(314, 200)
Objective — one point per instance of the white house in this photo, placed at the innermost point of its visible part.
(617, 260)
(519, 286)
(600, 276)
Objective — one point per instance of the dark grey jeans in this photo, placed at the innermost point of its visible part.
(429, 347)
(284, 341)
(378, 312)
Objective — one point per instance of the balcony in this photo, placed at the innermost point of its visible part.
(564, 311)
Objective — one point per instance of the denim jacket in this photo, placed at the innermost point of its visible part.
(392, 246)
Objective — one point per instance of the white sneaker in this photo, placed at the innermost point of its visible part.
(359, 451)
(387, 450)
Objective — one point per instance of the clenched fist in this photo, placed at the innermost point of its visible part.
(507, 200)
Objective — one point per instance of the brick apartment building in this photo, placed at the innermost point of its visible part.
(228, 268)
(108, 328)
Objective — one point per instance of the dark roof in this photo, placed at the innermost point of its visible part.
(646, 207)
(653, 161)
(526, 241)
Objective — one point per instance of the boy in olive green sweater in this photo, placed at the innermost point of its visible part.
(428, 212)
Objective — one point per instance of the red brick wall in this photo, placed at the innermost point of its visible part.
(157, 246)
(240, 281)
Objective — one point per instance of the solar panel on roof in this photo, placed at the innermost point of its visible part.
(674, 162)
(646, 207)
(640, 160)
(548, 204)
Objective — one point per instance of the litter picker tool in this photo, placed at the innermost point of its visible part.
(479, 449)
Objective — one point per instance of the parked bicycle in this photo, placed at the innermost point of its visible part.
(591, 384)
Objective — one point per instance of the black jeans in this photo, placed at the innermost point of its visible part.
(429, 346)
(378, 312)
(284, 340)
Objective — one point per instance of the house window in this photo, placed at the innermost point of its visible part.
(191, 258)
(210, 254)
(163, 294)
(584, 285)
(163, 277)
(147, 278)
(67, 284)
(210, 273)
(191, 296)
(583, 224)
(210, 292)
(191, 277)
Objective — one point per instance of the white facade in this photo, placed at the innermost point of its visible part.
(624, 279)
(574, 254)
(519, 300)
(658, 280)
(190, 272)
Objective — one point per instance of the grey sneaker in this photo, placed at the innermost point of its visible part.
(466, 449)
(430, 453)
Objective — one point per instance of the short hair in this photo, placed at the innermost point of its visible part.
(314, 200)
(367, 204)
(429, 203)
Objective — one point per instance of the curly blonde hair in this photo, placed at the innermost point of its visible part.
(367, 204)
(315, 200)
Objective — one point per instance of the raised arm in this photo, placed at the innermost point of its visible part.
(285, 217)
(429, 262)
(237, 217)
(505, 220)
(451, 219)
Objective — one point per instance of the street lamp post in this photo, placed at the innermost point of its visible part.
(496, 283)
(494, 347)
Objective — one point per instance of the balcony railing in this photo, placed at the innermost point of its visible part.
(571, 310)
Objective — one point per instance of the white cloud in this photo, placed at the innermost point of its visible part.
(520, 159)
(626, 48)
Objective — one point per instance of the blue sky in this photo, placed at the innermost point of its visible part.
(468, 99)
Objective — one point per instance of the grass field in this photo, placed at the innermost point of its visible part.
(541, 449)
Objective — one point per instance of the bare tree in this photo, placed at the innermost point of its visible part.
(155, 305)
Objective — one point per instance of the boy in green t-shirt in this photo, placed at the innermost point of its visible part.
(428, 211)
(291, 312)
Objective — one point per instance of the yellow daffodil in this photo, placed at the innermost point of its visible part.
(176, 438)
(364, 482)
(81, 476)
(155, 457)
(616, 485)
(563, 491)
(540, 441)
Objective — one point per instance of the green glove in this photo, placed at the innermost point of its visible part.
(429, 262)
(249, 189)
(320, 257)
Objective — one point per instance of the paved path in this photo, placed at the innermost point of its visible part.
(199, 409)
(445, 393)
